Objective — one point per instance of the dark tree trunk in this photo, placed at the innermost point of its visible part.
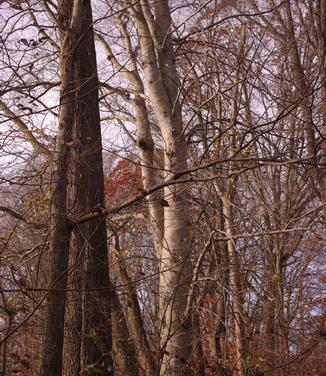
(79, 150)
(72, 351)
(96, 312)
(51, 363)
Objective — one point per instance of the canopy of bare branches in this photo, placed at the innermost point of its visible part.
(162, 187)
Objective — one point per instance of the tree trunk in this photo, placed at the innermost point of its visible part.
(222, 268)
(316, 171)
(158, 62)
(124, 354)
(198, 364)
(134, 319)
(73, 318)
(235, 287)
(79, 137)
(60, 229)
(322, 147)
(96, 343)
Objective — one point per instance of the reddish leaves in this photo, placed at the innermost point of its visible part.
(124, 181)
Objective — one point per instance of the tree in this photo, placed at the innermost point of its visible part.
(79, 162)
(210, 213)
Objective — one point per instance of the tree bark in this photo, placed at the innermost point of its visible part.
(80, 157)
(316, 154)
(124, 354)
(96, 343)
(235, 287)
(51, 362)
(158, 63)
(322, 147)
(134, 320)
(73, 318)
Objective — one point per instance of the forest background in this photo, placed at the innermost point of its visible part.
(163, 187)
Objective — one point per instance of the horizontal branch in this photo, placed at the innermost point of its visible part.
(101, 212)
(22, 218)
(263, 233)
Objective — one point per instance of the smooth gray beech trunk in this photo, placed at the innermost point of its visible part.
(151, 175)
(158, 64)
(170, 226)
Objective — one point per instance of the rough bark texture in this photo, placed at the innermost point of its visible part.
(79, 156)
(51, 363)
(73, 318)
(96, 330)
(322, 147)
